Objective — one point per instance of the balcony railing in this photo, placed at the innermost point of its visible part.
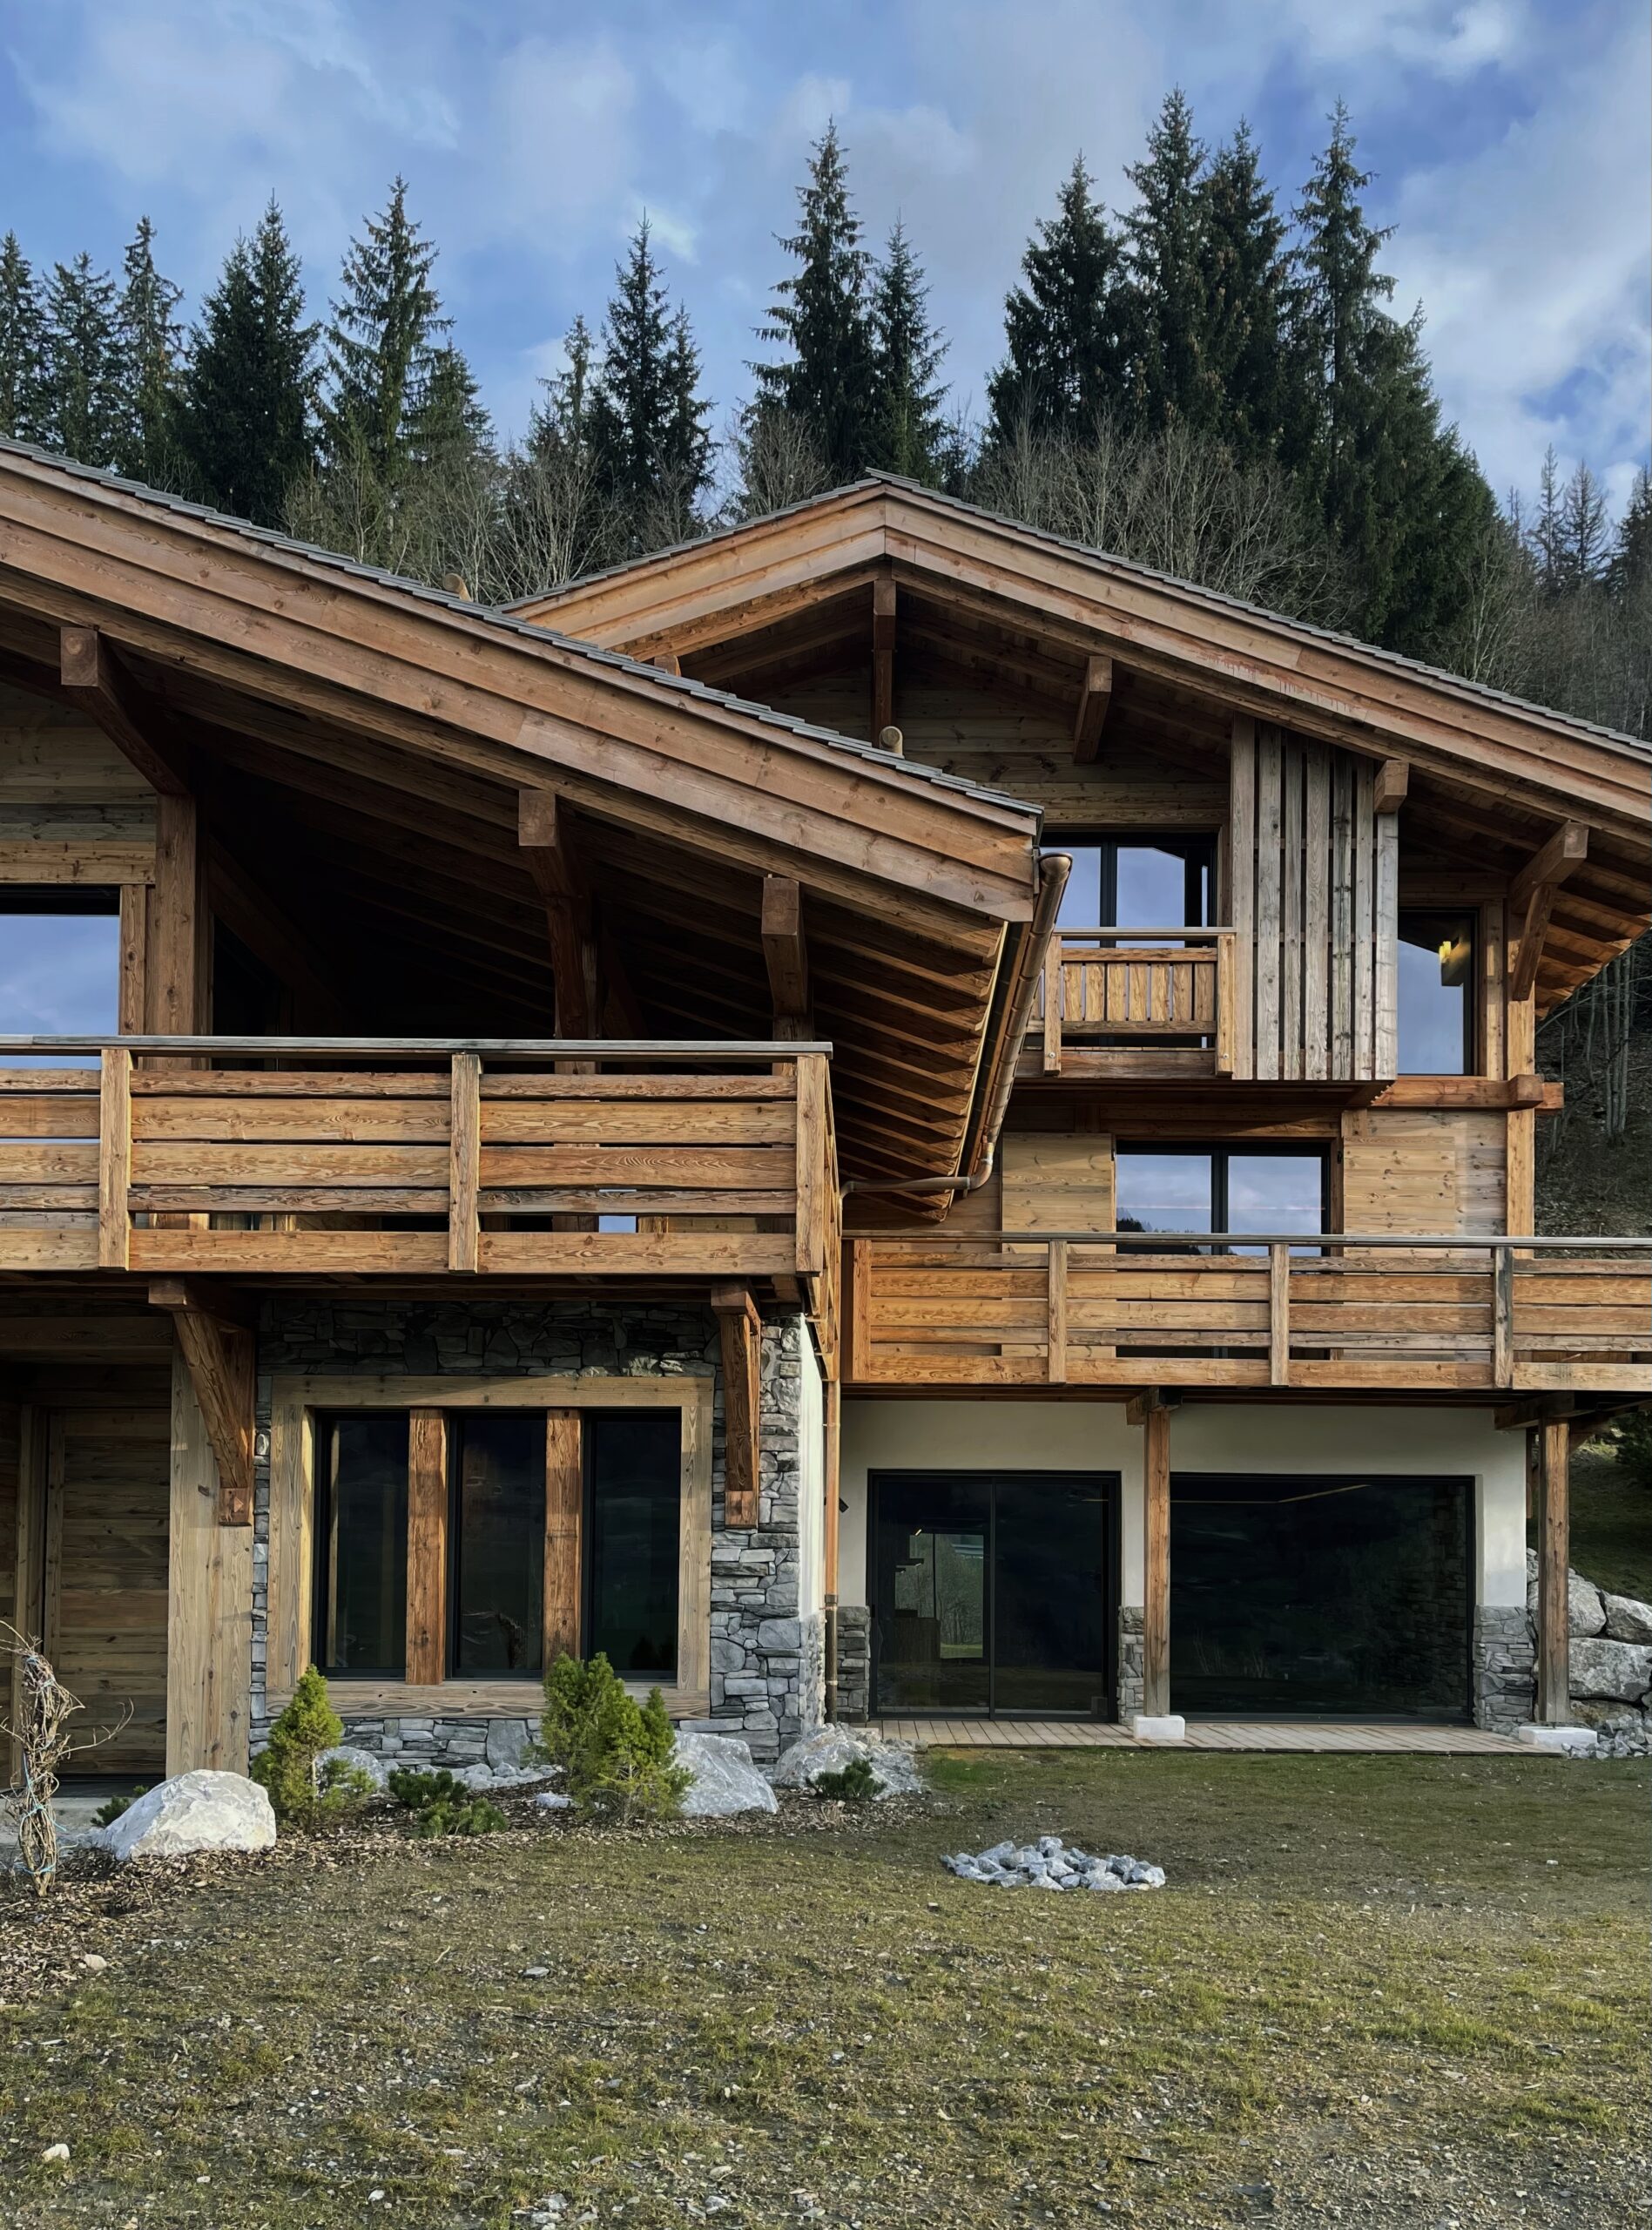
(372, 1157)
(1116, 1000)
(1126, 1309)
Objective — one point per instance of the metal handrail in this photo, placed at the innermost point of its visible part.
(515, 1049)
(1229, 1239)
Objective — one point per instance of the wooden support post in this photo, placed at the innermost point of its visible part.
(832, 1421)
(1531, 899)
(813, 1163)
(209, 1607)
(93, 678)
(114, 1159)
(1055, 976)
(883, 653)
(1502, 1316)
(172, 980)
(741, 1330)
(426, 1633)
(543, 831)
(1278, 1314)
(1554, 1559)
(219, 1355)
(1055, 1315)
(1155, 1606)
(786, 955)
(1225, 996)
(856, 1291)
(564, 1534)
(464, 1163)
(29, 1550)
(1095, 699)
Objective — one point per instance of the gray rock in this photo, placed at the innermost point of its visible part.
(1619, 1670)
(725, 1781)
(1585, 1612)
(196, 1811)
(363, 1761)
(1627, 1619)
(829, 1749)
(509, 1743)
(550, 1800)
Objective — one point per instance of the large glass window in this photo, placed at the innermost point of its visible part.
(633, 1471)
(1436, 993)
(498, 1535)
(59, 965)
(362, 1528)
(1337, 1595)
(1236, 1189)
(1149, 882)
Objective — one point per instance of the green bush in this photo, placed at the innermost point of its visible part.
(442, 1804)
(112, 1807)
(1632, 1441)
(853, 1785)
(616, 1756)
(302, 1792)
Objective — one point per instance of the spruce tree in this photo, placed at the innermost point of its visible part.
(646, 419)
(23, 366)
(448, 424)
(1547, 533)
(243, 412)
(1064, 364)
(1247, 299)
(385, 331)
(149, 348)
(821, 313)
(908, 432)
(82, 416)
(1585, 543)
(1165, 292)
(1631, 560)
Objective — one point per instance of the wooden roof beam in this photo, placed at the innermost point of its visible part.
(217, 1355)
(1095, 699)
(1532, 899)
(785, 955)
(883, 655)
(1388, 790)
(93, 678)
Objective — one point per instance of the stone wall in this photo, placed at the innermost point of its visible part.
(1131, 1675)
(766, 1647)
(1503, 1668)
(854, 1661)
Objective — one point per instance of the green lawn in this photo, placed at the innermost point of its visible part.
(1413, 1989)
(1611, 1526)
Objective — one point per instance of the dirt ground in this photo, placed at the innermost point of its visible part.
(1405, 1993)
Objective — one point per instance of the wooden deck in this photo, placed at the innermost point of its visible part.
(1368, 1737)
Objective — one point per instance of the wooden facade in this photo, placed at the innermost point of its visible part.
(453, 955)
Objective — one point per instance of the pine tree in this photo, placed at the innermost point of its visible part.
(908, 432)
(383, 337)
(1631, 561)
(821, 313)
(646, 419)
(1547, 533)
(1584, 541)
(447, 423)
(82, 417)
(1165, 294)
(149, 348)
(243, 413)
(1247, 299)
(23, 400)
(1065, 361)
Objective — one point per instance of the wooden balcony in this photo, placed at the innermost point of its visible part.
(1113, 1003)
(1123, 1310)
(367, 1157)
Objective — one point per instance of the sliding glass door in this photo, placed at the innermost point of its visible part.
(994, 1591)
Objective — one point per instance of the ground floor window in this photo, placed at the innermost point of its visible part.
(994, 1591)
(1333, 1595)
(1270, 1190)
(629, 1525)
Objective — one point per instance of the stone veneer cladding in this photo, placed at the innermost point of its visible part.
(766, 1648)
(1504, 1668)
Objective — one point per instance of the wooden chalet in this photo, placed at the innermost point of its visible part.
(876, 1113)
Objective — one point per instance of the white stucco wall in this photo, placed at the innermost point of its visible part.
(1095, 1436)
(810, 1485)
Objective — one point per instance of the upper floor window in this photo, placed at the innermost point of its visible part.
(1437, 976)
(1148, 882)
(59, 962)
(1271, 1192)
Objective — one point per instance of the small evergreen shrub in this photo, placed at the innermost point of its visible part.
(855, 1784)
(302, 1792)
(112, 1807)
(442, 1804)
(617, 1756)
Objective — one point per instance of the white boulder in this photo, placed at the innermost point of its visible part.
(361, 1762)
(197, 1811)
(1619, 1670)
(1585, 1612)
(725, 1781)
(1627, 1619)
(829, 1749)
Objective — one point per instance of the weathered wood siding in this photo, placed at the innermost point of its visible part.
(1424, 1170)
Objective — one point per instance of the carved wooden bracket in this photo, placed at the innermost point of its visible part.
(218, 1354)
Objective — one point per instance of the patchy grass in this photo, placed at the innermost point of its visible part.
(1367, 1996)
(1611, 1525)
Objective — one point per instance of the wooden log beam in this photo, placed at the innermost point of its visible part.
(543, 831)
(786, 955)
(1554, 1559)
(93, 678)
(564, 1526)
(1531, 899)
(219, 1355)
(740, 1330)
(1095, 699)
(427, 1626)
(1389, 785)
(1156, 1593)
(883, 653)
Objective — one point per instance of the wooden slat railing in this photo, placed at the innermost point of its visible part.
(1125, 1309)
(368, 1156)
(1112, 989)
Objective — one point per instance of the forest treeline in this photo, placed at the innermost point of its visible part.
(1204, 380)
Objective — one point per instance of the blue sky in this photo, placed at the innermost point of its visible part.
(1510, 137)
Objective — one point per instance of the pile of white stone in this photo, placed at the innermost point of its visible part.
(1051, 1864)
(1610, 1642)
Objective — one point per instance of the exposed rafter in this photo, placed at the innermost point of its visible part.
(93, 678)
(1094, 697)
(786, 957)
(1532, 899)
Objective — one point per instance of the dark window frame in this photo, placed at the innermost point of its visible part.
(1108, 842)
(1473, 989)
(458, 1419)
(1221, 1151)
(588, 1573)
(325, 1422)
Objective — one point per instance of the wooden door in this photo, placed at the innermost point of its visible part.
(107, 1493)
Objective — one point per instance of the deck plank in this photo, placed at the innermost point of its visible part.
(1299, 1738)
